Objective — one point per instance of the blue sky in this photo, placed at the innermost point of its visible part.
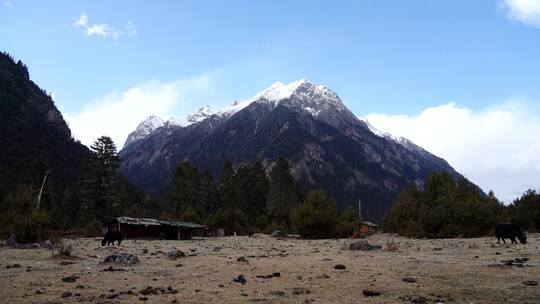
(383, 56)
(387, 59)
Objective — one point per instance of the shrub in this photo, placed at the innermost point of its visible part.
(93, 229)
(349, 221)
(31, 229)
(316, 217)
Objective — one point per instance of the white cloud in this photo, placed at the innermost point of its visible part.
(104, 29)
(497, 148)
(526, 11)
(118, 114)
(8, 4)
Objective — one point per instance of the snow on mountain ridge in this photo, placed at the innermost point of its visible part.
(201, 114)
(145, 128)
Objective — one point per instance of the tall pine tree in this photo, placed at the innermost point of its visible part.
(284, 193)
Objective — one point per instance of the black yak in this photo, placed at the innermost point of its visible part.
(509, 231)
(112, 236)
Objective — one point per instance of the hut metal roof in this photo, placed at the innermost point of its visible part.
(155, 222)
(369, 224)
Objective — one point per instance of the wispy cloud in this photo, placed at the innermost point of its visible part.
(525, 11)
(8, 4)
(494, 147)
(118, 114)
(104, 29)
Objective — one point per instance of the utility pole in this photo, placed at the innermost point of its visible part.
(42, 186)
(360, 209)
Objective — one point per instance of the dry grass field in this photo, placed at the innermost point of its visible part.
(277, 271)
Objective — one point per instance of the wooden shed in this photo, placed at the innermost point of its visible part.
(368, 227)
(147, 228)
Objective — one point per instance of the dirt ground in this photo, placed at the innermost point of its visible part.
(442, 271)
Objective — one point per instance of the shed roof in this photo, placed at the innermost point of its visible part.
(369, 224)
(138, 221)
(155, 222)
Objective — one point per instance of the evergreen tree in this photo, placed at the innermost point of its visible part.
(185, 190)
(226, 186)
(99, 189)
(209, 194)
(284, 193)
(444, 208)
(526, 211)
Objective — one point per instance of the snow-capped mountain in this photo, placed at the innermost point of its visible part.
(145, 128)
(201, 114)
(327, 145)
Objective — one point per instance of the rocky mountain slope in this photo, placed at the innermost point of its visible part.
(33, 134)
(328, 146)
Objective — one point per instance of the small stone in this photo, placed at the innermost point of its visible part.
(300, 290)
(66, 294)
(340, 267)
(370, 293)
(278, 293)
(240, 279)
(70, 279)
(530, 283)
(409, 280)
(174, 254)
(112, 296)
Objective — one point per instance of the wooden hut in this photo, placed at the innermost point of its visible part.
(368, 227)
(147, 228)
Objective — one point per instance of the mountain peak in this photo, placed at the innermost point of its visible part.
(144, 129)
(279, 90)
(201, 114)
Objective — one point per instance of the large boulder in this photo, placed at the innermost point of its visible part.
(122, 258)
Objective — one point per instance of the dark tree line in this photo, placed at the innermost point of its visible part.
(238, 200)
(98, 195)
(446, 207)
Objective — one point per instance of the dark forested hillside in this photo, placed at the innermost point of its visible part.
(34, 137)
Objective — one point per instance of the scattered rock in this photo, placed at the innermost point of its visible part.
(174, 254)
(70, 279)
(269, 276)
(240, 279)
(278, 234)
(242, 259)
(157, 291)
(340, 267)
(278, 293)
(300, 290)
(409, 280)
(363, 245)
(64, 263)
(13, 266)
(530, 283)
(112, 269)
(371, 293)
(414, 299)
(122, 258)
(66, 294)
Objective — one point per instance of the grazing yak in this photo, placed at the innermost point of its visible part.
(509, 231)
(112, 236)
